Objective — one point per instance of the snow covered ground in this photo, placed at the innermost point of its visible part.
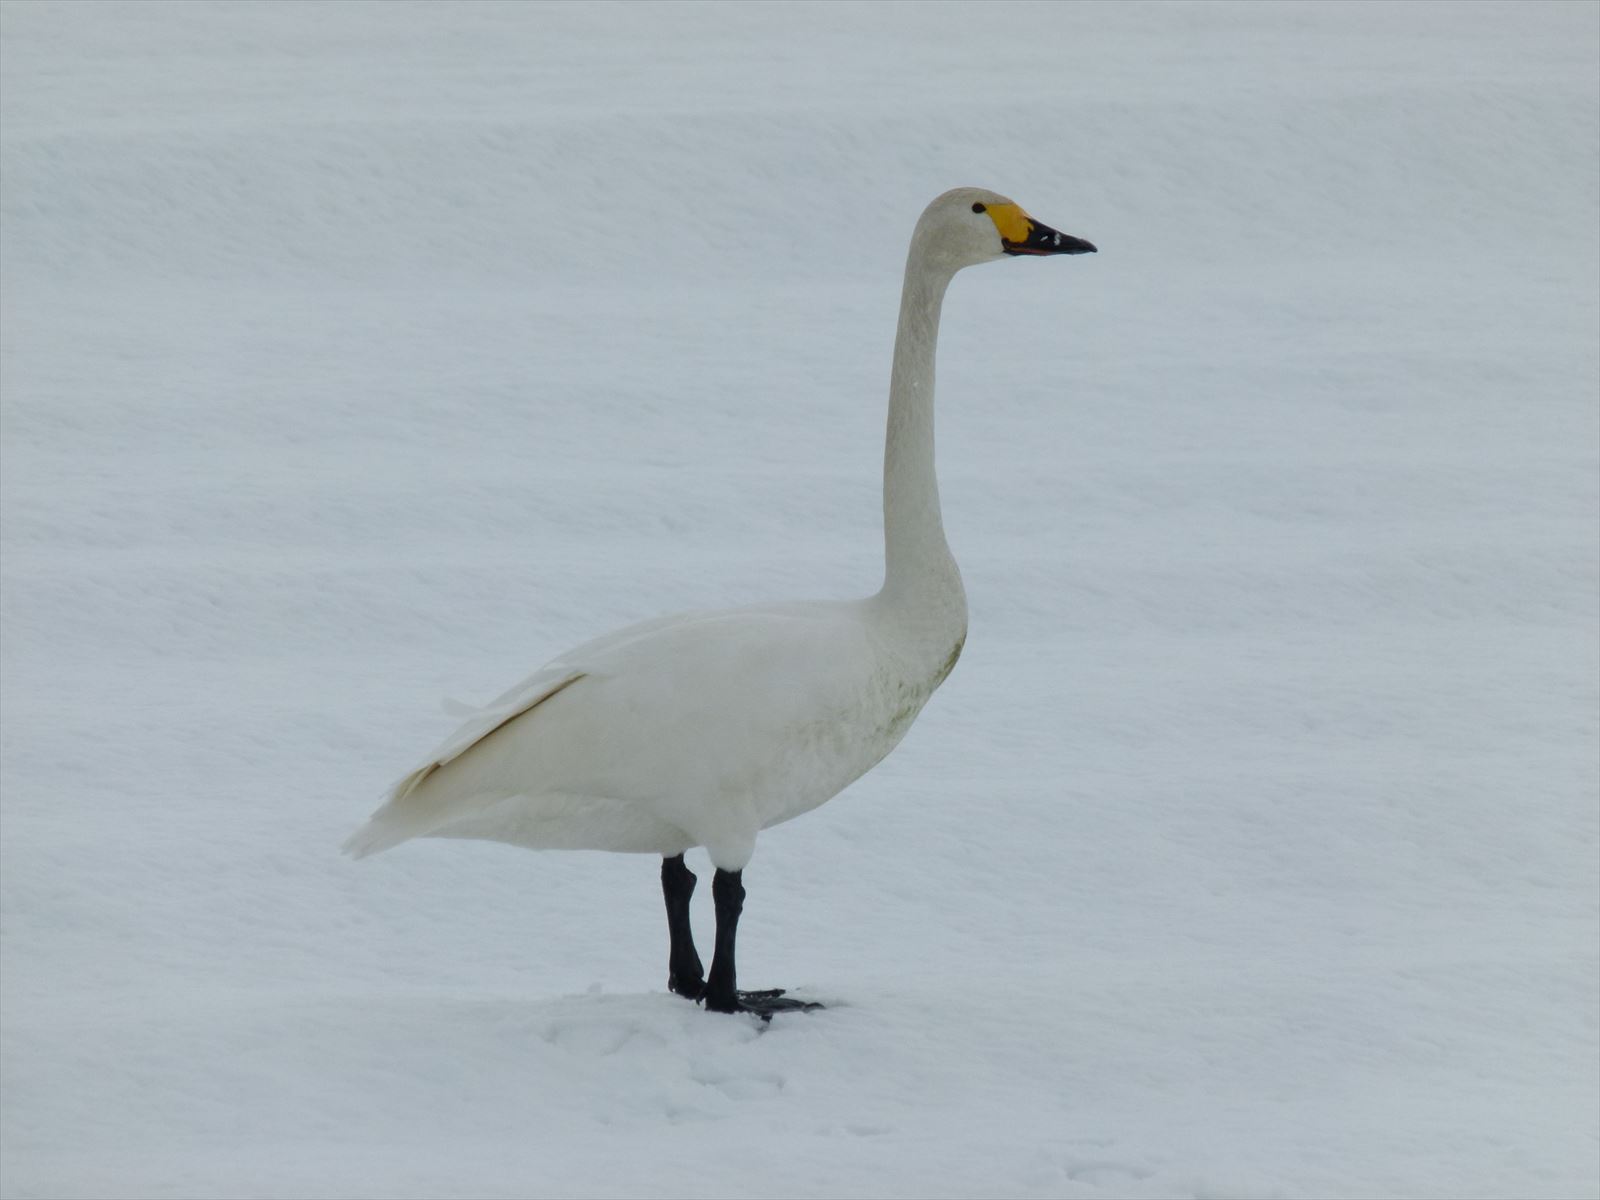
(358, 355)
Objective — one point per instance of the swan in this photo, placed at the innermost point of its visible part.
(705, 728)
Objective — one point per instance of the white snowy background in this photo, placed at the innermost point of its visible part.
(356, 355)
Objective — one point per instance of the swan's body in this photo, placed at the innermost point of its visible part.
(703, 729)
(696, 730)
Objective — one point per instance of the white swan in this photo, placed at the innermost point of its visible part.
(705, 728)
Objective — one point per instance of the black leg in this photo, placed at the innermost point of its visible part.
(685, 975)
(722, 989)
(722, 992)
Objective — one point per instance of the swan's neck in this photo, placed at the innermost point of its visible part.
(921, 582)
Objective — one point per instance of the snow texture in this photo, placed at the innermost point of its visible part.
(357, 355)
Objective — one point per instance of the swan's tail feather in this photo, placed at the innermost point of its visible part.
(375, 837)
(396, 821)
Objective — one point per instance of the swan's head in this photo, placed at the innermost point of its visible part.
(971, 225)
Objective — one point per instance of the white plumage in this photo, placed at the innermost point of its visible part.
(695, 730)
(703, 729)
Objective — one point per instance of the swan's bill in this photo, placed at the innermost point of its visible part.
(1021, 234)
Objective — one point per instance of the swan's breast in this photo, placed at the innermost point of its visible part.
(847, 741)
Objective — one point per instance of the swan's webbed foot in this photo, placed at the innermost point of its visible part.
(763, 1003)
(722, 992)
(686, 976)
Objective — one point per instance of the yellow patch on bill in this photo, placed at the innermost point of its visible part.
(1011, 221)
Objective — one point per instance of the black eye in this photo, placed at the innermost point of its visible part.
(978, 207)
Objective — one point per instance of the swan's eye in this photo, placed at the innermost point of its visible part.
(978, 206)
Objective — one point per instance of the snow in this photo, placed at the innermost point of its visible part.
(356, 356)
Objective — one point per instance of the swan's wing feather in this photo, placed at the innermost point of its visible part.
(480, 722)
(549, 679)
(483, 721)
(396, 821)
(742, 667)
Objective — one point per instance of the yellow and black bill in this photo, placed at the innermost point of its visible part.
(1021, 234)
(1041, 239)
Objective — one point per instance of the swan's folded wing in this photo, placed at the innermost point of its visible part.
(397, 820)
(484, 721)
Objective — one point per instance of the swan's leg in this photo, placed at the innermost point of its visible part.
(722, 992)
(685, 975)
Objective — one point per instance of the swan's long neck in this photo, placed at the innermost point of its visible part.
(921, 582)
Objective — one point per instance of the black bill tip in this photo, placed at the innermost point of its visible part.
(1042, 239)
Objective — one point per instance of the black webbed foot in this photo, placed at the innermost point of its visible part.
(719, 990)
(762, 1004)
